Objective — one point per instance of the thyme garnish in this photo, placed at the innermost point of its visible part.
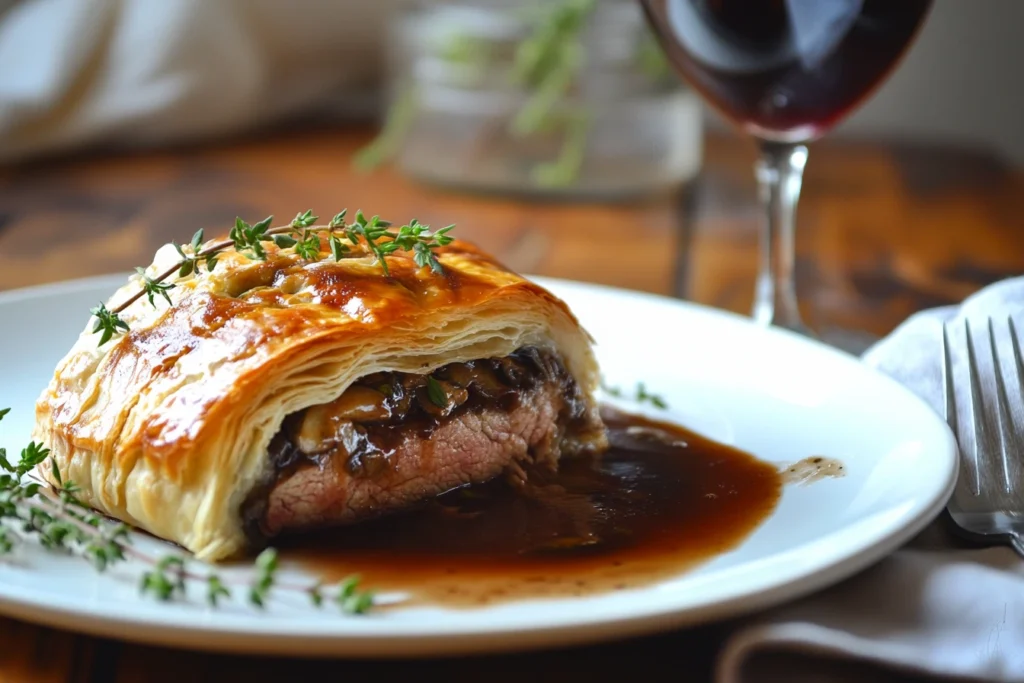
(108, 322)
(57, 520)
(655, 400)
(151, 287)
(302, 235)
(641, 395)
(190, 261)
(350, 599)
(248, 239)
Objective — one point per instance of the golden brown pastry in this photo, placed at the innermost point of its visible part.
(288, 393)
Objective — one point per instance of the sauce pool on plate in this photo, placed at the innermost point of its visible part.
(659, 501)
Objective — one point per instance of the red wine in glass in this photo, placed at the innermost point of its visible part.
(785, 71)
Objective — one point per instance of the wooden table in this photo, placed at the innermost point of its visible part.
(884, 230)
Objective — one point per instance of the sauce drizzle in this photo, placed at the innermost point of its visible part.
(660, 500)
(812, 469)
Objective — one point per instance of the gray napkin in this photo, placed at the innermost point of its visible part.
(932, 611)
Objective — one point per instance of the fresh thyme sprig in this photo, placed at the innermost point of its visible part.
(655, 400)
(304, 220)
(215, 590)
(414, 237)
(152, 288)
(266, 566)
(417, 238)
(248, 239)
(641, 395)
(59, 521)
(302, 234)
(108, 322)
(351, 599)
(190, 261)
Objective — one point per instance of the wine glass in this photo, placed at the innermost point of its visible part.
(785, 72)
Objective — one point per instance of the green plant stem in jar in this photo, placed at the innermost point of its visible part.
(563, 96)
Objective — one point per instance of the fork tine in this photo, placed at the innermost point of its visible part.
(1002, 412)
(984, 504)
(947, 384)
(1015, 457)
(981, 444)
(967, 481)
(1017, 361)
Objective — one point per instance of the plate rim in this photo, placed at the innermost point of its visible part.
(148, 629)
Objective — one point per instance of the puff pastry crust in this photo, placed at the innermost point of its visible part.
(167, 427)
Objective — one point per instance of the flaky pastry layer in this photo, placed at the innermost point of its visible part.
(167, 426)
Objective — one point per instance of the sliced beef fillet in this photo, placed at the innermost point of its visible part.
(394, 440)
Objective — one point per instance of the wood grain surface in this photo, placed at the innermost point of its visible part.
(884, 230)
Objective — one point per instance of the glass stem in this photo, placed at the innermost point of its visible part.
(780, 173)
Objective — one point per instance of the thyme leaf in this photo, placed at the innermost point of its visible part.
(640, 395)
(108, 323)
(301, 235)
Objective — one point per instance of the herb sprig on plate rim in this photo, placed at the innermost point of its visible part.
(641, 395)
(302, 234)
(57, 520)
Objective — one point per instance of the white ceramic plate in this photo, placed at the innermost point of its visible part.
(774, 394)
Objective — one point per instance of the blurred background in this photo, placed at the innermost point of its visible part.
(542, 127)
(80, 73)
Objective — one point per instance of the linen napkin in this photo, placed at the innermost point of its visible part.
(133, 73)
(933, 611)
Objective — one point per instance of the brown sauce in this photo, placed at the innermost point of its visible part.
(662, 499)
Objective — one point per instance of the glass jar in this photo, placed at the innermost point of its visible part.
(557, 97)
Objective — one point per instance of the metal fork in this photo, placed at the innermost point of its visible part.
(988, 503)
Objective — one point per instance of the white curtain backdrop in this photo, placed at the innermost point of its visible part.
(140, 72)
(134, 72)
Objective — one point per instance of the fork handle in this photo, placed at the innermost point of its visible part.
(1017, 543)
